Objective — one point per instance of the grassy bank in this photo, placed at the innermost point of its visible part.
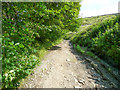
(102, 39)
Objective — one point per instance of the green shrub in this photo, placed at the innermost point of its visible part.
(28, 23)
(103, 39)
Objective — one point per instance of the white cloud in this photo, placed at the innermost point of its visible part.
(92, 2)
(107, 7)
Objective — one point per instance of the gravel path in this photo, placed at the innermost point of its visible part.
(62, 67)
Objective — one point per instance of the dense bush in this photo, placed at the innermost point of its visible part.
(103, 39)
(23, 25)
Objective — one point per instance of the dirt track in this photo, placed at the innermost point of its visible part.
(62, 67)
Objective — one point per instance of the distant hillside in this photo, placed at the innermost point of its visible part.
(96, 19)
(104, 15)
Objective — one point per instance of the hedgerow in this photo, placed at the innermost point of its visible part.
(103, 39)
(24, 24)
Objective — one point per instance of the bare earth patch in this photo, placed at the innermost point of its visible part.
(62, 67)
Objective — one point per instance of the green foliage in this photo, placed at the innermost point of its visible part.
(28, 28)
(102, 38)
(79, 49)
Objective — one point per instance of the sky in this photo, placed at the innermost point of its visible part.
(98, 7)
